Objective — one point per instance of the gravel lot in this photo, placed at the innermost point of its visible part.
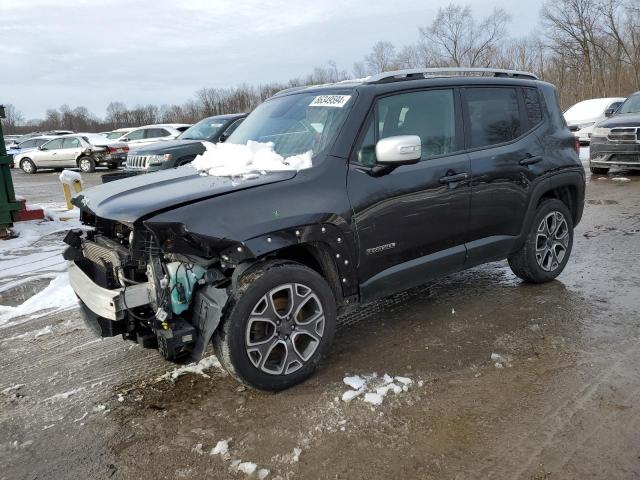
(559, 400)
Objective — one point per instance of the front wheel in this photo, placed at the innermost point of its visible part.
(87, 164)
(27, 166)
(546, 250)
(112, 166)
(277, 326)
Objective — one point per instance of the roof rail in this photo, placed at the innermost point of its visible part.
(413, 74)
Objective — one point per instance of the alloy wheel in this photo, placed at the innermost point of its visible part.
(552, 241)
(284, 329)
(85, 165)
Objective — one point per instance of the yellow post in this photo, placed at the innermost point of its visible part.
(68, 179)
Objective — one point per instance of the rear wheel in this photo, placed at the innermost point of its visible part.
(112, 166)
(599, 170)
(87, 164)
(548, 246)
(277, 326)
(27, 166)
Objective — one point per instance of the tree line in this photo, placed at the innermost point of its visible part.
(587, 48)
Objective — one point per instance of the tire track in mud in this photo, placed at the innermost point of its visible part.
(558, 418)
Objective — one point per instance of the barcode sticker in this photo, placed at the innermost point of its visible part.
(338, 101)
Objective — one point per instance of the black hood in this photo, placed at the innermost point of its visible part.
(167, 146)
(621, 120)
(130, 199)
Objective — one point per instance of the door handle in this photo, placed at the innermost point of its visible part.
(530, 159)
(454, 178)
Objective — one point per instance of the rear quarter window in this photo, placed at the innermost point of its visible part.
(532, 105)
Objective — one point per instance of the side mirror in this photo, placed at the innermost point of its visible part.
(125, 139)
(41, 147)
(399, 150)
(609, 111)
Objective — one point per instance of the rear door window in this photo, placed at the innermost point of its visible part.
(493, 115)
(28, 144)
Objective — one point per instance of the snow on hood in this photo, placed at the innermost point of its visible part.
(233, 160)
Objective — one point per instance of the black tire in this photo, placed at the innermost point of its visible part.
(86, 164)
(112, 166)
(599, 170)
(27, 166)
(244, 318)
(541, 258)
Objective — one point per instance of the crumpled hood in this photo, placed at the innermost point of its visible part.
(130, 199)
(167, 146)
(623, 120)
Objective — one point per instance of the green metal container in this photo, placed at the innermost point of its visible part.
(8, 204)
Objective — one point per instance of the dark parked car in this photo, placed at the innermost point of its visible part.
(173, 153)
(615, 142)
(414, 175)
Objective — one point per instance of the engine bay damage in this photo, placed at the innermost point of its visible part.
(130, 286)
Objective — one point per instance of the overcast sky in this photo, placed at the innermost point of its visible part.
(90, 52)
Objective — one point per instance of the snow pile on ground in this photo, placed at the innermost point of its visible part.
(373, 389)
(36, 255)
(233, 160)
(621, 179)
(57, 296)
(195, 368)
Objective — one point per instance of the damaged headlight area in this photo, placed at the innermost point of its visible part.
(158, 285)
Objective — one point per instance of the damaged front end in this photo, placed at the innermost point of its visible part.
(151, 283)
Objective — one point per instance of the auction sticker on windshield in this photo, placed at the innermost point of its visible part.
(330, 101)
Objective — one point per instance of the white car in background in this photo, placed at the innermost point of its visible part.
(152, 133)
(584, 115)
(80, 150)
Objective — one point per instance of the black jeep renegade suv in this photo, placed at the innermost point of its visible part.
(415, 174)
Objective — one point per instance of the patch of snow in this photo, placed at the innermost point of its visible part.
(64, 395)
(350, 395)
(13, 388)
(196, 368)
(404, 380)
(621, 179)
(233, 160)
(263, 473)
(296, 455)
(197, 449)
(221, 448)
(373, 398)
(57, 296)
(375, 389)
(500, 360)
(354, 382)
(247, 467)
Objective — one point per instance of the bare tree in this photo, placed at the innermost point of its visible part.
(13, 118)
(382, 58)
(458, 40)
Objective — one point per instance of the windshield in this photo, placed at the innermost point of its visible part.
(295, 123)
(630, 105)
(203, 130)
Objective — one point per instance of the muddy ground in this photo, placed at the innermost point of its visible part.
(561, 402)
